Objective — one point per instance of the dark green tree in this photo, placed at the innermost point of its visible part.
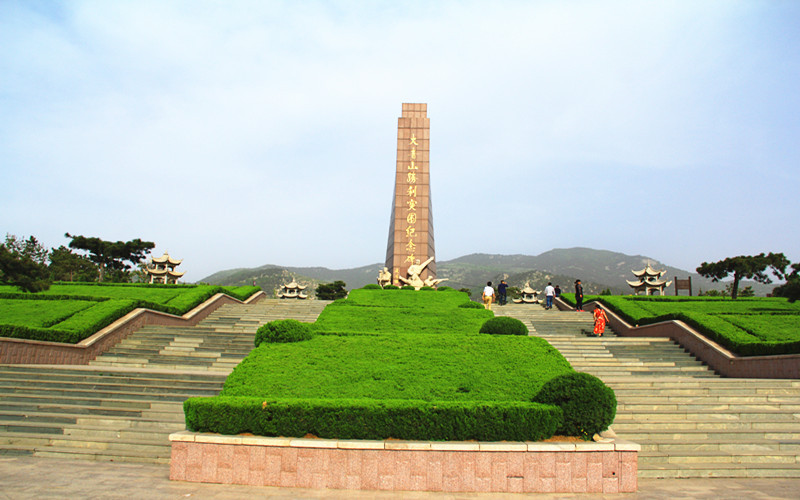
(513, 292)
(790, 289)
(745, 267)
(331, 291)
(113, 258)
(22, 264)
(30, 248)
(66, 265)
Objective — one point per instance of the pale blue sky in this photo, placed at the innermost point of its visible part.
(243, 133)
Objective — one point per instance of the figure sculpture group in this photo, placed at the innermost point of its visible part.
(413, 276)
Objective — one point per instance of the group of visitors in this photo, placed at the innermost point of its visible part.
(550, 293)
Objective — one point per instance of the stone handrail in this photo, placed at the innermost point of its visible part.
(24, 351)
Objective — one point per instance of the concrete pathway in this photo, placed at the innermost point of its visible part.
(31, 477)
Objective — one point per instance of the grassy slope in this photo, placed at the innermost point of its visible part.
(400, 366)
(396, 344)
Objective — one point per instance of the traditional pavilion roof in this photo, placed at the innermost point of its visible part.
(646, 283)
(528, 290)
(294, 284)
(162, 272)
(649, 272)
(166, 259)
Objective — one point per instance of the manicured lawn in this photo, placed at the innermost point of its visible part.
(402, 366)
(748, 326)
(40, 313)
(70, 312)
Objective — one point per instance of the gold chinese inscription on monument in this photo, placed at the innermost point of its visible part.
(411, 216)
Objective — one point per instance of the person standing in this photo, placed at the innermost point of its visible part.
(501, 292)
(578, 296)
(558, 291)
(488, 295)
(549, 293)
(600, 320)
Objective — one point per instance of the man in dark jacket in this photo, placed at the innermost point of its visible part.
(501, 292)
(578, 296)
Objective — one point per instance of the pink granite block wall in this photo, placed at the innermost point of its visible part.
(571, 471)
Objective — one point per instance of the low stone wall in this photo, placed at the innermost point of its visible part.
(718, 358)
(557, 467)
(22, 351)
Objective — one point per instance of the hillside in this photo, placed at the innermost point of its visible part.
(597, 269)
(271, 277)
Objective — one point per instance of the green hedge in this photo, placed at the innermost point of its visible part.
(588, 405)
(374, 419)
(504, 325)
(282, 331)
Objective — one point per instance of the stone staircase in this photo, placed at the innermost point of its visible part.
(689, 421)
(218, 343)
(124, 405)
(93, 414)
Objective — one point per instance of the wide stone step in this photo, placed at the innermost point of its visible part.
(9, 387)
(727, 446)
(113, 430)
(649, 416)
(628, 427)
(701, 435)
(210, 368)
(89, 373)
(77, 453)
(732, 408)
(159, 446)
(718, 470)
(141, 385)
(96, 393)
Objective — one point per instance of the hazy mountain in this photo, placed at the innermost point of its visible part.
(597, 269)
(271, 277)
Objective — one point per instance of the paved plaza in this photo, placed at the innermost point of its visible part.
(26, 477)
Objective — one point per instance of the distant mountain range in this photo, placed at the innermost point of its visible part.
(597, 269)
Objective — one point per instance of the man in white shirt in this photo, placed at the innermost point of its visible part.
(488, 295)
(549, 293)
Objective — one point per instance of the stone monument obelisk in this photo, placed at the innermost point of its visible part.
(411, 226)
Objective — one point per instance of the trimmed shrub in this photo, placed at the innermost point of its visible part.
(371, 286)
(445, 288)
(427, 289)
(374, 419)
(503, 325)
(588, 404)
(391, 287)
(408, 287)
(471, 305)
(283, 330)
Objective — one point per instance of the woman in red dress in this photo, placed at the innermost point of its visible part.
(600, 320)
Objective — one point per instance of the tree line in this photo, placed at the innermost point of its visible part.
(756, 268)
(28, 265)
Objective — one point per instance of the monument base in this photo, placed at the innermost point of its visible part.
(551, 467)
